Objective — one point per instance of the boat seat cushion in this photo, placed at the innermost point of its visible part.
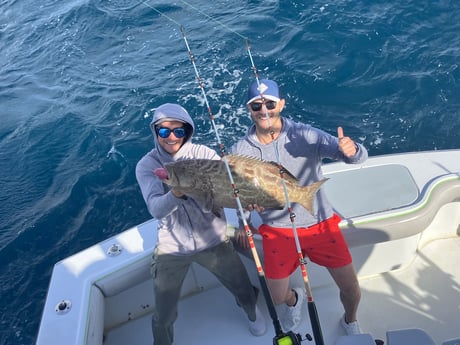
(409, 336)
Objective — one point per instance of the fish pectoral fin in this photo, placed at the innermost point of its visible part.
(217, 211)
(207, 202)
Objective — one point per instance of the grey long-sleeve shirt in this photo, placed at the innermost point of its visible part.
(302, 149)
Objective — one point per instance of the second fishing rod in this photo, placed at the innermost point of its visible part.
(281, 338)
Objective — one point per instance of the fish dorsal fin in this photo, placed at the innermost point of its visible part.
(285, 171)
(232, 157)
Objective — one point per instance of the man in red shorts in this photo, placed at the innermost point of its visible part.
(301, 149)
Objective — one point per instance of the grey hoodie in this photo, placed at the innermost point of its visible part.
(183, 227)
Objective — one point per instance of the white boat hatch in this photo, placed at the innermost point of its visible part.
(372, 190)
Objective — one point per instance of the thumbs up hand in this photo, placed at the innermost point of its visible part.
(346, 145)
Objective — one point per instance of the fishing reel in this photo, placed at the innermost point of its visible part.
(289, 338)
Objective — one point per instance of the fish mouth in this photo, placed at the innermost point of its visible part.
(162, 173)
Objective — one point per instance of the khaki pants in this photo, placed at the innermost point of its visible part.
(169, 272)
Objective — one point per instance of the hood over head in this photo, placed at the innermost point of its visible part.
(172, 112)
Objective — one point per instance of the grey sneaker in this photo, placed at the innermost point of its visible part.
(258, 327)
(293, 316)
(350, 328)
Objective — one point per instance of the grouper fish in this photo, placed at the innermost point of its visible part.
(258, 182)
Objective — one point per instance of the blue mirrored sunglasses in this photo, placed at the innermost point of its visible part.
(165, 132)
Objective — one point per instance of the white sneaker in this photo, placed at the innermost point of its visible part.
(293, 316)
(350, 328)
(258, 327)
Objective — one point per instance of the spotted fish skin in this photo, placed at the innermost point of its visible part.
(257, 182)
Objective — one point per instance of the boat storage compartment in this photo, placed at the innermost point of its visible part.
(370, 190)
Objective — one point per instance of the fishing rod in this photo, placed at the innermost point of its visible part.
(312, 310)
(281, 338)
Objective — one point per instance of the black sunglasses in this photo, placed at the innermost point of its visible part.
(165, 132)
(270, 105)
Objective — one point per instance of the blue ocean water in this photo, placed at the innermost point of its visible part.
(79, 80)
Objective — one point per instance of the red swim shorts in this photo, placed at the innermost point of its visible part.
(323, 243)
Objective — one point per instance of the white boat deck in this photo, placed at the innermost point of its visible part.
(389, 302)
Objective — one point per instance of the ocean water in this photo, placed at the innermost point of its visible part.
(79, 80)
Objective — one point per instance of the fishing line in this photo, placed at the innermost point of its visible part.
(199, 11)
(214, 19)
(162, 13)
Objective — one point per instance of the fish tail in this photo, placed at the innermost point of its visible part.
(307, 194)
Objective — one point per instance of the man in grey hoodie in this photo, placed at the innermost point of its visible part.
(186, 233)
(301, 149)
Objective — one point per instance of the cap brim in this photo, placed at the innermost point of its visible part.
(269, 97)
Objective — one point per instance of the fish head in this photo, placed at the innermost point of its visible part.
(179, 176)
